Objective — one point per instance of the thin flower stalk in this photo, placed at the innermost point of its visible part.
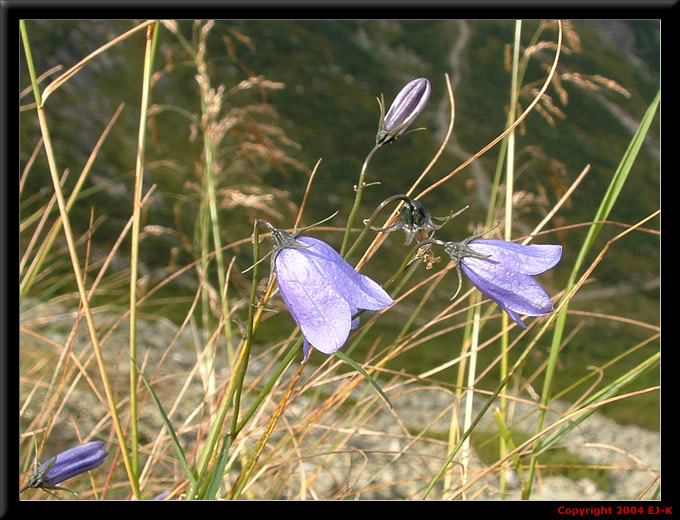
(406, 107)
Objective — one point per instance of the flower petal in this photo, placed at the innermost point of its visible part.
(77, 452)
(515, 292)
(529, 259)
(74, 461)
(408, 104)
(305, 348)
(357, 289)
(323, 315)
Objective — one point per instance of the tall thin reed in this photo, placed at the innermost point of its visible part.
(76, 266)
(149, 52)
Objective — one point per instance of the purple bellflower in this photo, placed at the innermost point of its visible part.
(408, 104)
(503, 272)
(321, 290)
(66, 465)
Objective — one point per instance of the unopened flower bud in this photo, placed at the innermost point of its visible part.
(66, 465)
(408, 104)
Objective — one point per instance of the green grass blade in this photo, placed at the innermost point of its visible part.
(152, 34)
(358, 368)
(218, 471)
(608, 201)
(171, 430)
(507, 438)
(607, 392)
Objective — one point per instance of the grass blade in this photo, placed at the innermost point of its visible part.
(607, 392)
(368, 378)
(608, 201)
(171, 430)
(218, 471)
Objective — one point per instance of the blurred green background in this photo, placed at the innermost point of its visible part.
(331, 73)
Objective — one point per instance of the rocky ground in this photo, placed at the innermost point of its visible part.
(378, 456)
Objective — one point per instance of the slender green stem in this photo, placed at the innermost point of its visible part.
(509, 188)
(470, 388)
(359, 239)
(240, 375)
(287, 360)
(151, 36)
(357, 200)
(233, 392)
(208, 149)
(210, 224)
(510, 163)
(29, 63)
(78, 273)
(203, 239)
(517, 78)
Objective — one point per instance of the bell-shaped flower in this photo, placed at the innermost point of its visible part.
(67, 464)
(321, 290)
(503, 271)
(408, 104)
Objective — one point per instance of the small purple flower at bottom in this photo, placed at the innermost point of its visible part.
(163, 495)
(321, 290)
(503, 272)
(68, 464)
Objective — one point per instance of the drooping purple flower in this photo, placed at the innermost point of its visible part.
(321, 290)
(408, 104)
(68, 464)
(503, 272)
